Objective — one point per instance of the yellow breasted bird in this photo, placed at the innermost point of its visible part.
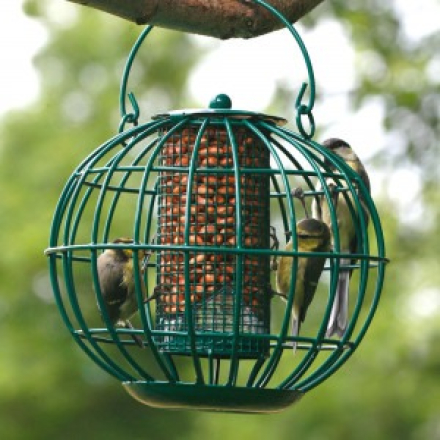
(348, 241)
(312, 236)
(117, 284)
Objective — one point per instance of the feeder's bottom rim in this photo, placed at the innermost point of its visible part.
(211, 397)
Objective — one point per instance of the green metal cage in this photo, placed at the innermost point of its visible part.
(200, 190)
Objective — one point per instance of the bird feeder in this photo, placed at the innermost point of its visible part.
(204, 193)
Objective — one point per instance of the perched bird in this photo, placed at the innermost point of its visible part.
(348, 241)
(312, 236)
(117, 284)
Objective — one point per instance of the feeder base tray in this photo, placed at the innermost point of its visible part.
(211, 398)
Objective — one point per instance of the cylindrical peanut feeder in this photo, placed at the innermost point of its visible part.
(213, 200)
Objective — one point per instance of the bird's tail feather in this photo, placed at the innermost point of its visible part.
(294, 325)
(339, 315)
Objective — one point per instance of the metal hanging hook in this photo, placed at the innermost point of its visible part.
(301, 109)
(131, 117)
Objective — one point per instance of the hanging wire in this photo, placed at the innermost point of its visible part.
(301, 108)
(133, 116)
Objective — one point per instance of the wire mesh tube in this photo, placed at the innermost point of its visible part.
(210, 198)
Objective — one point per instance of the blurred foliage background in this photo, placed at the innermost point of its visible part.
(48, 389)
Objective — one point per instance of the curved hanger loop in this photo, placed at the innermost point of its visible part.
(133, 116)
(302, 109)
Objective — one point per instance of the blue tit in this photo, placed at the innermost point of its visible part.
(117, 285)
(312, 236)
(346, 224)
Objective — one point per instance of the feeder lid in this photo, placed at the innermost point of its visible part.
(220, 106)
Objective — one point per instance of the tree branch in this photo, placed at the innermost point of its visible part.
(217, 18)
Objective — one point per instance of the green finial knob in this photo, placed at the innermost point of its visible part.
(221, 101)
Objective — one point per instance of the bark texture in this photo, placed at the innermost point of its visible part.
(216, 18)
